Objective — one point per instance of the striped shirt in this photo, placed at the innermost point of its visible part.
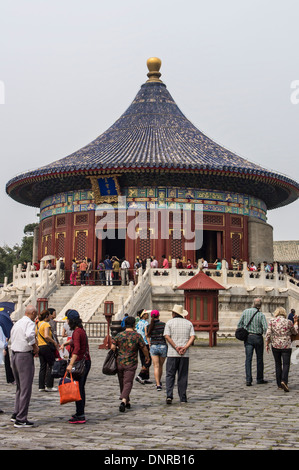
(157, 333)
(258, 325)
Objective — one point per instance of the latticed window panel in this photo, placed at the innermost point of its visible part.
(60, 243)
(236, 221)
(145, 246)
(176, 244)
(47, 224)
(81, 219)
(80, 244)
(236, 239)
(47, 245)
(212, 219)
(60, 221)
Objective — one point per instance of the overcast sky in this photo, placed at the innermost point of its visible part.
(70, 68)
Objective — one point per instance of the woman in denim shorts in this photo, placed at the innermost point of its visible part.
(158, 346)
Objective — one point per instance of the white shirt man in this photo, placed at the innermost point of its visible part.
(23, 347)
(124, 272)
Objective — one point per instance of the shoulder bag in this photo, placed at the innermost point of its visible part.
(48, 343)
(242, 333)
(78, 368)
(110, 364)
(59, 368)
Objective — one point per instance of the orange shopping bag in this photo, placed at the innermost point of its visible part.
(68, 390)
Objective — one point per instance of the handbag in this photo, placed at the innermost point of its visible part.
(242, 333)
(59, 368)
(68, 390)
(78, 369)
(110, 364)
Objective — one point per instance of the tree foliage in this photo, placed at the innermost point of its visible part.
(10, 256)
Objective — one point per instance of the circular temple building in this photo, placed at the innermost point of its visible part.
(151, 164)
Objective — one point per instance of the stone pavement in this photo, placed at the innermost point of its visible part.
(221, 413)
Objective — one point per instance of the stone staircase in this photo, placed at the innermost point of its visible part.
(88, 300)
(117, 295)
(61, 297)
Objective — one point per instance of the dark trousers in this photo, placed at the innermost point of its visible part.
(8, 370)
(126, 376)
(144, 372)
(254, 343)
(82, 277)
(80, 405)
(282, 358)
(23, 370)
(46, 359)
(179, 366)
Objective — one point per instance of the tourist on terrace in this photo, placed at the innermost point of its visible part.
(154, 263)
(165, 263)
(73, 277)
(101, 269)
(252, 267)
(83, 267)
(218, 264)
(125, 266)
(108, 270)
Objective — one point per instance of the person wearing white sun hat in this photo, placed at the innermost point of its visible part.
(180, 335)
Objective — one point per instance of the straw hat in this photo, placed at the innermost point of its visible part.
(179, 310)
(144, 312)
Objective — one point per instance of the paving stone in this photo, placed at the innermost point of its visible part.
(221, 413)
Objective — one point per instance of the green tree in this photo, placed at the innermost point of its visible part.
(10, 256)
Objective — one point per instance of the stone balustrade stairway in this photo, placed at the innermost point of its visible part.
(87, 300)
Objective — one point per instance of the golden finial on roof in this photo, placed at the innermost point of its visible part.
(153, 65)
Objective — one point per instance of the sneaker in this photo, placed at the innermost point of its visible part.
(77, 420)
(23, 424)
(159, 388)
(139, 379)
(148, 381)
(41, 389)
(51, 389)
(13, 417)
(122, 407)
(168, 401)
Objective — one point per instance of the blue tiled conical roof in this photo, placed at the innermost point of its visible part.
(154, 135)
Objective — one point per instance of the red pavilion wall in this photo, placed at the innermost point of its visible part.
(72, 235)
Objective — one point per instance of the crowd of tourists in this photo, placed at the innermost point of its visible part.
(114, 271)
(34, 335)
(143, 340)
